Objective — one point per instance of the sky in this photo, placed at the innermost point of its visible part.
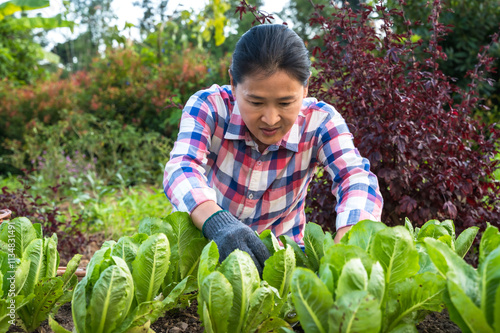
(127, 12)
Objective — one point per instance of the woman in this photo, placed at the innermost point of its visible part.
(246, 153)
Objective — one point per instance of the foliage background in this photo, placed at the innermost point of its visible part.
(92, 122)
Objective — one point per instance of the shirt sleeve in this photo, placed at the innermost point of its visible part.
(184, 181)
(354, 185)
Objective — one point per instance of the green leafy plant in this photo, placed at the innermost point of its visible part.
(186, 243)
(233, 298)
(37, 290)
(373, 281)
(472, 296)
(130, 283)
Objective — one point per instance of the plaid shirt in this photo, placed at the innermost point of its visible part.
(215, 158)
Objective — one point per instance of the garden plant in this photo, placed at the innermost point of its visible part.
(378, 279)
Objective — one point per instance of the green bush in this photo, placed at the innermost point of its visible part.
(70, 151)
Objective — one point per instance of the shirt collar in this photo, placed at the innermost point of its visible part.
(237, 130)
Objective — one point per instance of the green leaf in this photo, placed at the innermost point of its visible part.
(352, 278)
(409, 227)
(472, 318)
(496, 314)
(300, 257)
(395, 249)
(329, 276)
(209, 261)
(362, 233)
(150, 266)
(312, 300)
(79, 306)
(490, 282)
(447, 240)
(34, 252)
(274, 325)
(110, 300)
(172, 299)
(153, 225)
(190, 259)
(216, 293)
(206, 319)
(328, 241)
(261, 306)
(180, 231)
(490, 241)
(21, 274)
(313, 242)
(13, 6)
(47, 292)
(239, 269)
(51, 256)
(356, 311)
(447, 261)
(464, 241)
(339, 254)
(450, 227)
(404, 328)
(420, 292)
(127, 247)
(71, 268)
(56, 327)
(278, 270)
(424, 260)
(433, 231)
(144, 313)
(30, 23)
(24, 234)
(376, 282)
(270, 241)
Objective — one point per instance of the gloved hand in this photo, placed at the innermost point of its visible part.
(230, 234)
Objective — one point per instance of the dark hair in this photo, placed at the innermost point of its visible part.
(268, 48)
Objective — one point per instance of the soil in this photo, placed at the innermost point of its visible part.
(187, 320)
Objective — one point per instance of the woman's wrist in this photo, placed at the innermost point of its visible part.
(203, 211)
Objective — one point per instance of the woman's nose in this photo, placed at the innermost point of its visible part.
(270, 117)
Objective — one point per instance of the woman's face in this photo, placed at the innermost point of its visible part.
(269, 105)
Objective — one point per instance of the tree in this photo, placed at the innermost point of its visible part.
(20, 55)
(94, 17)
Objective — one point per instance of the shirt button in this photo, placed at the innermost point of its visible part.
(259, 163)
(250, 196)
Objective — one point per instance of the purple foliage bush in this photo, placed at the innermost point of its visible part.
(432, 158)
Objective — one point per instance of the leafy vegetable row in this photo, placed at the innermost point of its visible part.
(378, 279)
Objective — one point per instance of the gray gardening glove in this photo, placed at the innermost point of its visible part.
(230, 234)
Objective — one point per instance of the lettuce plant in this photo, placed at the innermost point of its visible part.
(186, 244)
(372, 281)
(472, 296)
(38, 291)
(233, 298)
(130, 283)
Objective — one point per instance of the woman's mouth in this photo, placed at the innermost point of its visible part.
(269, 131)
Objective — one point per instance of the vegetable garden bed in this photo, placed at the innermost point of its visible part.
(167, 278)
(187, 320)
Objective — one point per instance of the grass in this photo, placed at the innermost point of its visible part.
(119, 211)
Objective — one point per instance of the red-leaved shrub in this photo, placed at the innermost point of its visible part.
(433, 160)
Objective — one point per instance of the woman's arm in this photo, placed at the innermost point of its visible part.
(354, 185)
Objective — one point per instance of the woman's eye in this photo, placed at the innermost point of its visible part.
(285, 104)
(256, 103)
